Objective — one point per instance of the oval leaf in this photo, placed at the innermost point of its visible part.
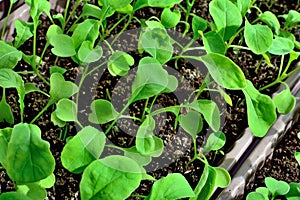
(29, 158)
(227, 17)
(82, 149)
(277, 187)
(281, 46)
(114, 177)
(119, 3)
(223, 178)
(261, 110)
(271, 20)
(9, 55)
(170, 19)
(224, 71)
(24, 32)
(66, 110)
(173, 186)
(63, 45)
(215, 141)
(198, 24)
(163, 4)
(191, 122)
(102, 112)
(258, 37)
(255, 196)
(285, 101)
(88, 54)
(214, 43)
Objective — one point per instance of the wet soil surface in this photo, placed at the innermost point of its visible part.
(179, 149)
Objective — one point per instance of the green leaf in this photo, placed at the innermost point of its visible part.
(82, 149)
(157, 43)
(294, 192)
(30, 87)
(5, 135)
(29, 158)
(114, 177)
(224, 71)
(172, 84)
(258, 37)
(198, 24)
(163, 4)
(88, 30)
(6, 112)
(146, 142)
(226, 16)
(10, 79)
(277, 187)
(125, 10)
(32, 190)
(223, 178)
(88, 54)
(9, 55)
(66, 110)
(281, 46)
(150, 80)
(173, 186)
(119, 63)
(271, 20)
(138, 4)
(261, 110)
(285, 101)
(37, 7)
(47, 182)
(135, 155)
(119, 3)
(170, 19)
(102, 112)
(60, 18)
(244, 6)
(297, 157)
(291, 18)
(90, 10)
(264, 191)
(52, 31)
(59, 88)
(214, 43)
(215, 141)
(63, 45)
(202, 183)
(24, 32)
(206, 191)
(14, 196)
(210, 112)
(191, 122)
(255, 196)
(57, 69)
(56, 121)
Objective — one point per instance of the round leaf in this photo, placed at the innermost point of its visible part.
(102, 112)
(114, 177)
(215, 141)
(170, 19)
(82, 149)
(14, 196)
(223, 178)
(214, 43)
(63, 45)
(198, 24)
(119, 3)
(163, 4)
(277, 187)
(119, 62)
(271, 20)
(173, 186)
(29, 158)
(88, 54)
(258, 37)
(66, 110)
(255, 196)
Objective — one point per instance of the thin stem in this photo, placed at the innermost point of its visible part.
(195, 147)
(152, 103)
(41, 112)
(65, 14)
(116, 24)
(77, 3)
(123, 29)
(280, 67)
(234, 36)
(130, 117)
(109, 46)
(145, 107)
(6, 20)
(138, 195)
(117, 118)
(239, 47)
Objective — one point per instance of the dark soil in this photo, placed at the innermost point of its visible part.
(178, 149)
(282, 165)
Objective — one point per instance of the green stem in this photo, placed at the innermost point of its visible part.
(234, 36)
(145, 107)
(123, 29)
(77, 3)
(41, 112)
(130, 117)
(139, 196)
(6, 20)
(65, 14)
(152, 103)
(280, 67)
(239, 47)
(117, 118)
